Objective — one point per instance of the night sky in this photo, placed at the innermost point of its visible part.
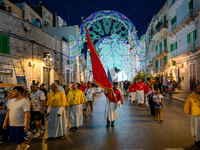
(140, 12)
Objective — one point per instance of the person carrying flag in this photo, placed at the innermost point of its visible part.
(114, 98)
(132, 91)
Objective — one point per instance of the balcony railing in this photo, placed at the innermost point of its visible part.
(181, 50)
(197, 7)
(197, 43)
(162, 25)
(159, 52)
(165, 50)
(171, 4)
(187, 15)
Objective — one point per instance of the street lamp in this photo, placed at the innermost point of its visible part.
(48, 60)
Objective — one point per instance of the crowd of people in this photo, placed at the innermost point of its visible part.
(26, 114)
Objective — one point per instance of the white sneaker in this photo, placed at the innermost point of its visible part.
(27, 147)
(36, 135)
(41, 132)
(28, 133)
(34, 131)
(91, 114)
(86, 115)
(43, 128)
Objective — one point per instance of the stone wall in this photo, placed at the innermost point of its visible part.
(29, 42)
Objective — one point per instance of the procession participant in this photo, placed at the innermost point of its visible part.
(18, 117)
(140, 91)
(75, 99)
(57, 122)
(158, 104)
(192, 107)
(83, 88)
(111, 105)
(132, 92)
(38, 100)
(126, 86)
(146, 90)
(59, 86)
(89, 93)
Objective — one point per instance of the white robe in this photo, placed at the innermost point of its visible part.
(111, 111)
(140, 96)
(57, 126)
(195, 127)
(132, 96)
(75, 115)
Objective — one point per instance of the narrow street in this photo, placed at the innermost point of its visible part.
(135, 129)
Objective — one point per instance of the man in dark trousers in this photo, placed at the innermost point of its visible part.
(126, 86)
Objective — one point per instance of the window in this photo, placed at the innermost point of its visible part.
(160, 47)
(165, 18)
(4, 44)
(160, 62)
(165, 60)
(165, 45)
(194, 36)
(173, 46)
(191, 4)
(156, 48)
(173, 21)
(156, 64)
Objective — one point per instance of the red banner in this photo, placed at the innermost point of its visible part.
(99, 75)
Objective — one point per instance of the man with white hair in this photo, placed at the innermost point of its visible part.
(75, 98)
(57, 122)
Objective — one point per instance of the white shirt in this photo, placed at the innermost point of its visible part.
(37, 99)
(158, 97)
(89, 94)
(61, 88)
(17, 111)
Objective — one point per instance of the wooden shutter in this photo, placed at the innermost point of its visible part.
(156, 64)
(188, 38)
(191, 4)
(175, 45)
(4, 44)
(165, 18)
(156, 48)
(171, 47)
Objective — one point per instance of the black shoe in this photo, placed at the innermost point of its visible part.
(75, 129)
(112, 124)
(133, 101)
(140, 104)
(108, 124)
(71, 129)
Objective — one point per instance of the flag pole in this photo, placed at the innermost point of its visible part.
(114, 96)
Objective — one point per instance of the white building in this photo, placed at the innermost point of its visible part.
(182, 36)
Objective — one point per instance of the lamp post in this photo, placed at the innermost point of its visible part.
(48, 60)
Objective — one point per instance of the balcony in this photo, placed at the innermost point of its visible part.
(197, 8)
(160, 53)
(161, 29)
(182, 50)
(182, 22)
(197, 44)
(149, 63)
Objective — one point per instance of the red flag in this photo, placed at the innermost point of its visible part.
(99, 75)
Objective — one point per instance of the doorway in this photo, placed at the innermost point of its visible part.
(67, 77)
(192, 77)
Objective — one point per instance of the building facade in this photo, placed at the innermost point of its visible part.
(175, 52)
(28, 51)
(157, 44)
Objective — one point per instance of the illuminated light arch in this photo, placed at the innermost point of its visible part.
(105, 26)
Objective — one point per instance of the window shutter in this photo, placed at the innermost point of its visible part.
(174, 19)
(156, 64)
(194, 36)
(191, 4)
(160, 45)
(156, 48)
(188, 38)
(165, 42)
(4, 44)
(175, 45)
(172, 22)
(165, 18)
(171, 48)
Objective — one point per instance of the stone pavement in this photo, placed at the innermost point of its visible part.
(135, 129)
(181, 95)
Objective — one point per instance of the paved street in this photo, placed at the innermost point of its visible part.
(135, 129)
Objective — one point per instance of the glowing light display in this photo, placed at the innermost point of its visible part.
(115, 39)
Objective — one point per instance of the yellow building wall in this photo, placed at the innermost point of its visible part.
(14, 8)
